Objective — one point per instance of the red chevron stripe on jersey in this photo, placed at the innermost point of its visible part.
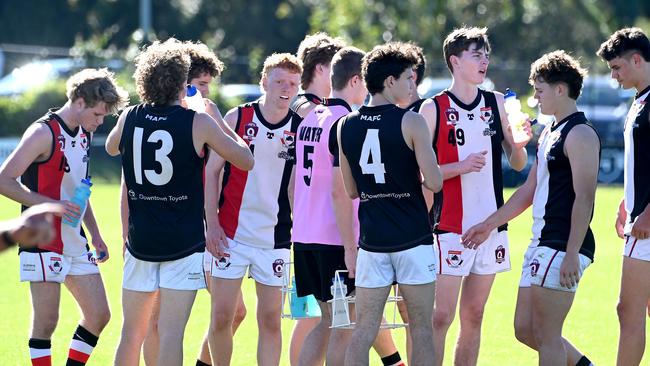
(452, 193)
(233, 192)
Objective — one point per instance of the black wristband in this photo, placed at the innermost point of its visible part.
(6, 237)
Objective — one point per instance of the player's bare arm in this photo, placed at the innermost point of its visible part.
(582, 148)
(115, 136)
(213, 111)
(348, 180)
(344, 214)
(518, 203)
(516, 153)
(474, 161)
(621, 216)
(35, 146)
(418, 137)
(96, 238)
(215, 237)
(206, 131)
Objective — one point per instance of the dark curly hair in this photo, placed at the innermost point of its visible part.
(161, 72)
(558, 67)
(421, 67)
(390, 59)
(318, 48)
(624, 41)
(461, 39)
(97, 85)
(203, 61)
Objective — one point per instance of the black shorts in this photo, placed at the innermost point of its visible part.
(314, 267)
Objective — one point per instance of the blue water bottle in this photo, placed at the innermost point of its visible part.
(80, 198)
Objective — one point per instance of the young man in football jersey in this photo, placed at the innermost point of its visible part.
(418, 75)
(627, 53)
(315, 52)
(204, 67)
(470, 131)
(51, 160)
(561, 187)
(162, 146)
(384, 151)
(249, 225)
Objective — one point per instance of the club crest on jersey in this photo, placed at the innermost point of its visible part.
(61, 141)
(534, 267)
(452, 116)
(486, 115)
(250, 131)
(278, 267)
(84, 141)
(56, 265)
(500, 254)
(222, 262)
(454, 258)
(288, 139)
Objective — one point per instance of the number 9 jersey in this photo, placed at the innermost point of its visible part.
(392, 211)
(164, 182)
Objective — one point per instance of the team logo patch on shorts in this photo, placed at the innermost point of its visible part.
(56, 266)
(222, 262)
(454, 258)
(534, 267)
(500, 254)
(278, 267)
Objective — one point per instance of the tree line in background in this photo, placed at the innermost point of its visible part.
(243, 33)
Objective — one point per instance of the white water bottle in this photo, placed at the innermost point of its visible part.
(516, 118)
(194, 100)
(340, 311)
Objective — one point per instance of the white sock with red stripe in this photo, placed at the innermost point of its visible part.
(40, 352)
(82, 345)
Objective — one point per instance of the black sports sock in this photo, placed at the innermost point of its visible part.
(201, 363)
(393, 359)
(584, 361)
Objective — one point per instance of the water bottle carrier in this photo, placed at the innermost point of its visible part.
(339, 295)
(299, 307)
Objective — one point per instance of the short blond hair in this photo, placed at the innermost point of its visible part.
(285, 61)
(97, 85)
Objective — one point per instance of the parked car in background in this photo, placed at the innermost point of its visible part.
(605, 105)
(243, 92)
(38, 73)
(432, 86)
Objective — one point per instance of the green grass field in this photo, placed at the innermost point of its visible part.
(592, 324)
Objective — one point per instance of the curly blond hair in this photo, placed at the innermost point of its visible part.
(161, 72)
(97, 85)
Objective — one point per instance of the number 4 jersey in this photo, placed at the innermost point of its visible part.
(392, 211)
(462, 129)
(164, 182)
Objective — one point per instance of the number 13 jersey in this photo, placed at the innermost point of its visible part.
(392, 211)
(467, 199)
(164, 182)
